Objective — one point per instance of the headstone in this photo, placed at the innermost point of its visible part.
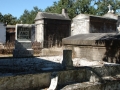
(23, 45)
(67, 62)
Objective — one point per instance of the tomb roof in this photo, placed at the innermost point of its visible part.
(26, 25)
(43, 15)
(110, 15)
(89, 39)
(87, 16)
(10, 26)
(82, 16)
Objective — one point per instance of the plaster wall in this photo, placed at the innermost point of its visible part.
(80, 26)
(2, 33)
(39, 33)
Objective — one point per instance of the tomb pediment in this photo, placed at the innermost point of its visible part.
(42, 15)
(81, 16)
(111, 16)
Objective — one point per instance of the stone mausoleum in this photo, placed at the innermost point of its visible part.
(51, 28)
(95, 37)
(85, 23)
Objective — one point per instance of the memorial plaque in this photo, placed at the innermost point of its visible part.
(23, 45)
(23, 33)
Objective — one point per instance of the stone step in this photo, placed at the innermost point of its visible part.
(110, 85)
(82, 86)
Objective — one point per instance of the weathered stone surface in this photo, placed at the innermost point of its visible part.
(51, 27)
(21, 81)
(67, 62)
(25, 82)
(54, 81)
(91, 39)
(97, 46)
(115, 85)
(23, 53)
(85, 23)
(23, 45)
(71, 76)
(84, 86)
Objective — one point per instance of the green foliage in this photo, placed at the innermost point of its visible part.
(29, 16)
(85, 7)
(74, 7)
(63, 4)
(8, 19)
(102, 6)
(1, 17)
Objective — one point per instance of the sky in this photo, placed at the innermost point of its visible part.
(17, 7)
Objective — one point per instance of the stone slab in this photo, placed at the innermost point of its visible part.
(23, 45)
(91, 39)
(22, 53)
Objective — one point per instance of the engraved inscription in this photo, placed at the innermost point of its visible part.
(23, 33)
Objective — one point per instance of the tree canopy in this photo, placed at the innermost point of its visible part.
(102, 6)
(8, 19)
(63, 4)
(74, 7)
(29, 16)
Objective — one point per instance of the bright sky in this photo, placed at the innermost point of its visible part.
(17, 7)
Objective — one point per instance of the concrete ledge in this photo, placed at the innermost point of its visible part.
(114, 85)
(65, 77)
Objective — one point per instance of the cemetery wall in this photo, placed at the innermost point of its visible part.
(81, 75)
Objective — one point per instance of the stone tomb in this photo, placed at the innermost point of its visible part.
(85, 23)
(23, 45)
(95, 46)
(51, 28)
